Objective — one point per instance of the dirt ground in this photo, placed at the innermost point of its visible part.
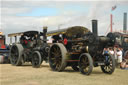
(26, 75)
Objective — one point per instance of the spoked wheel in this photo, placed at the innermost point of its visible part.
(109, 66)
(85, 64)
(126, 55)
(36, 59)
(16, 54)
(75, 67)
(57, 57)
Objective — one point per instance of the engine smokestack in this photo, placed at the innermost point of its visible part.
(125, 23)
(94, 27)
(44, 33)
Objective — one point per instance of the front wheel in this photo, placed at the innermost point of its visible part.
(109, 66)
(85, 64)
(126, 55)
(36, 59)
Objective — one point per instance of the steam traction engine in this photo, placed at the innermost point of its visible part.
(4, 49)
(30, 49)
(122, 40)
(81, 49)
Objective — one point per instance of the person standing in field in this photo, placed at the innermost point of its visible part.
(115, 55)
(119, 55)
(106, 52)
(111, 51)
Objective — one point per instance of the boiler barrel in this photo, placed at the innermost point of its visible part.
(104, 39)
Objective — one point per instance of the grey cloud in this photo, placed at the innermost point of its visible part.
(13, 11)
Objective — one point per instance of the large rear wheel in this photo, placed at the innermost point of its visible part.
(16, 52)
(109, 66)
(57, 57)
(85, 64)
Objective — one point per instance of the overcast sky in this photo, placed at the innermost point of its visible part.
(24, 15)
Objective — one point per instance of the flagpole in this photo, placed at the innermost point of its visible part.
(111, 18)
(111, 22)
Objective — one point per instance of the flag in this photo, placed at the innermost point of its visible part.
(113, 8)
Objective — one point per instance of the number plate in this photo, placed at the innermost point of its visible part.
(100, 64)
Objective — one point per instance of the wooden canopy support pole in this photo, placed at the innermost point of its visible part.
(10, 40)
(15, 39)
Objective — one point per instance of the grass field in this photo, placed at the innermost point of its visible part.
(26, 75)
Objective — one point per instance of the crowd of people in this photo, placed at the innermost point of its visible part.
(117, 52)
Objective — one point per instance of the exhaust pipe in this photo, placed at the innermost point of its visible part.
(44, 34)
(94, 27)
(125, 23)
